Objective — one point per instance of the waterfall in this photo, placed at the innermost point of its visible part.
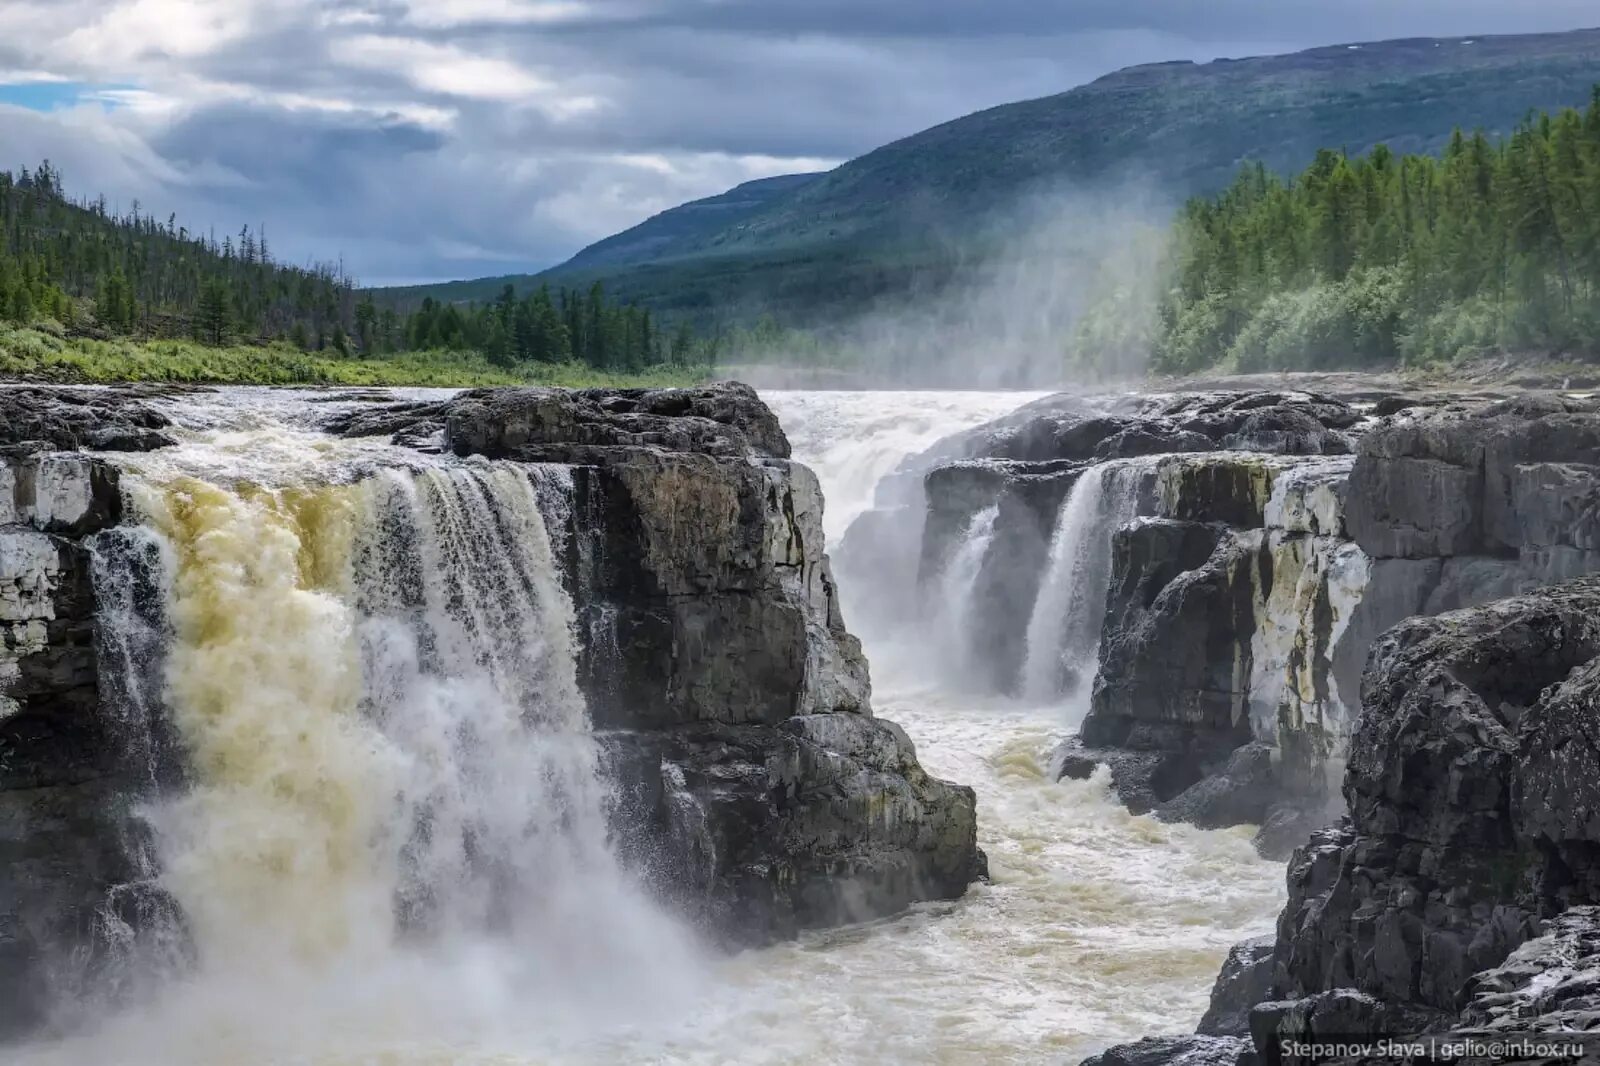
(1064, 630)
(390, 764)
(855, 441)
(954, 592)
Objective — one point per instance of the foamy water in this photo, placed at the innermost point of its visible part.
(1097, 926)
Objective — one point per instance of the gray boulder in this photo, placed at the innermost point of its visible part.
(42, 418)
(1245, 980)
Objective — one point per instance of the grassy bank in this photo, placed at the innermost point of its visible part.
(41, 355)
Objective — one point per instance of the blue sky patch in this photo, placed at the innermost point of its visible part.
(53, 95)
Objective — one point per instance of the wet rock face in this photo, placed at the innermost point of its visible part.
(825, 819)
(1507, 478)
(1313, 557)
(63, 788)
(1026, 463)
(706, 585)
(734, 703)
(1169, 679)
(1466, 785)
(1470, 786)
(1225, 642)
(1245, 980)
(1458, 898)
(1550, 985)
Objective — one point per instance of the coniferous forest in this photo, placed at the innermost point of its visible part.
(1384, 258)
(86, 268)
(81, 270)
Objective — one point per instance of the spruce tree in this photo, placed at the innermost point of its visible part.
(213, 318)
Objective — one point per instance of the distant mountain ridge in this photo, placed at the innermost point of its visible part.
(812, 247)
(660, 234)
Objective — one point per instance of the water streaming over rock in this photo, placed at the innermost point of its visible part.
(948, 600)
(1064, 629)
(393, 849)
(394, 826)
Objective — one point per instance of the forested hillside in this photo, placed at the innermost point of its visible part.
(914, 216)
(78, 264)
(1385, 257)
(77, 271)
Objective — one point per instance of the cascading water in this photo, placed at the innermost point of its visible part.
(949, 599)
(1064, 629)
(860, 438)
(395, 826)
(1097, 925)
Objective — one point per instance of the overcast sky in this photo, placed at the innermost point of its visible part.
(432, 139)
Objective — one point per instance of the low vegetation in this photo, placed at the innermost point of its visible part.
(45, 353)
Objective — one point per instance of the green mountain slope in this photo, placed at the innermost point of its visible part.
(908, 215)
(686, 225)
(659, 235)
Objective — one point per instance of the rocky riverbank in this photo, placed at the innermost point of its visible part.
(1307, 628)
(1457, 897)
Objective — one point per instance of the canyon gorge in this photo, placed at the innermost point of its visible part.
(533, 724)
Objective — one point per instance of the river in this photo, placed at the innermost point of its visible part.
(1096, 927)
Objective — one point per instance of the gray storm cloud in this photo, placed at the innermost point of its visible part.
(429, 139)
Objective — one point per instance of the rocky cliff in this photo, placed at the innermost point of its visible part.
(1265, 544)
(754, 786)
(1457, 898)
(758, 788)
(1267, 538)
(69, 772)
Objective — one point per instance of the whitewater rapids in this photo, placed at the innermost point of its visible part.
(1097, 927)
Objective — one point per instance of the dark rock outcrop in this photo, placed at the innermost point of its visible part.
(1164, 683)
(1458, 898)
(1224, 652)
(820, 820)
(726, 420)
(1262, 639)
(63, 419)
(1245, 980)
(1504, 479)
(759, 789)
(1549, 986)
(1468, 803)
